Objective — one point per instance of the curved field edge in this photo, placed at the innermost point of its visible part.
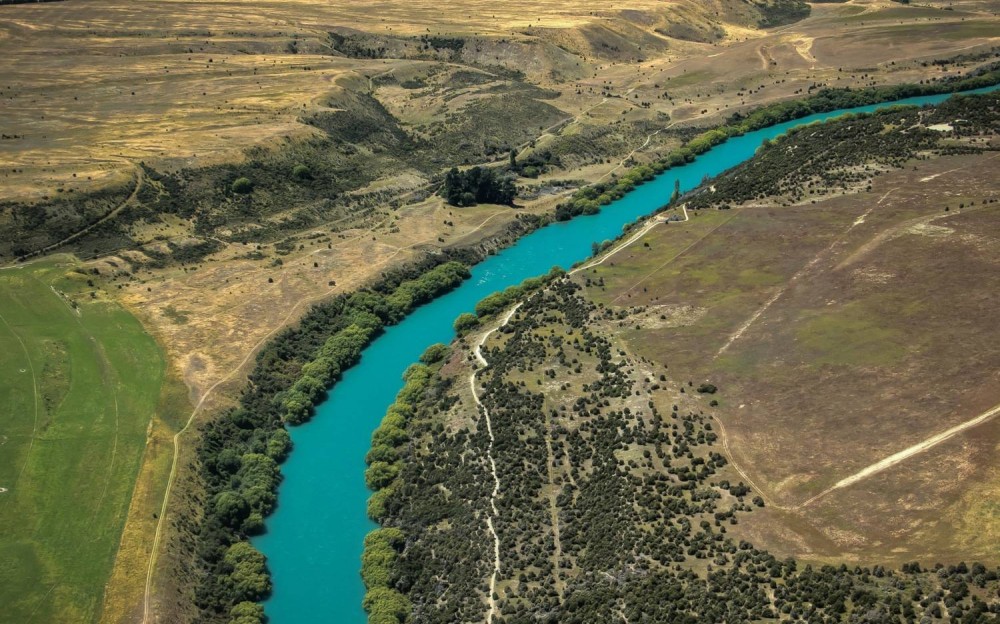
(75, 425)
(127, 580)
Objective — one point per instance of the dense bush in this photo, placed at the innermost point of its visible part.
(434, 353)
(382, 601)
(466, 321)
(534, 164)
(247, 613)
(242, 186)
(478, 185)
(781, 12)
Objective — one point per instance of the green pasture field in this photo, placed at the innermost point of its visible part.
(79, 382)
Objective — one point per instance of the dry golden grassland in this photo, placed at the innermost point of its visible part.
(91, 87)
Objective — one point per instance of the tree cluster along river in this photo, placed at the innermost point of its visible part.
(314, 539)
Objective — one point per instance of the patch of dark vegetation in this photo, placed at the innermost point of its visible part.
(613, 40)
(845, 154)
(688, 31)
(967, 57)
(413, 83)
(190, 251)
(252, 200)
(606, 512)
(534, 164)
(362, 121)
(780, 12)
(468, 78)
(455, 44)
(478, 185)
(524, 89)
(26, 228)
(488, 128)
(353, 46)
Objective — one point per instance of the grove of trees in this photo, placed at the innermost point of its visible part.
(478, 185)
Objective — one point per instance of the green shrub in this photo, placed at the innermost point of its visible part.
(388, 435)
(477, 185)
(381, 453)
(246, 613)
(381, 474)
(279, 445)
(231, 508)
(465, 322)
(242, 186)
(382, 546)
(248, 574)
(386, 606)
(434, 353)
(377, 503)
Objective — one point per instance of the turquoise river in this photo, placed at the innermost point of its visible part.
(314, 538)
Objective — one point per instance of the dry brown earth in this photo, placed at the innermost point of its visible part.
(856, 328)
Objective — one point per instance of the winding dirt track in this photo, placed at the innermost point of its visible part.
(493, 466)
(140, 179)
(632, 239)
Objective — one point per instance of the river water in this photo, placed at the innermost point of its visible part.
(314, 538)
